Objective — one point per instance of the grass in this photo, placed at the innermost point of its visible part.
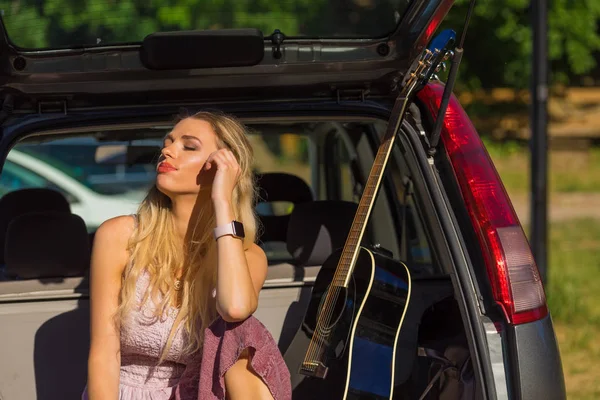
(573, 292)
(574, 272)
(569, 171)
(573, 287)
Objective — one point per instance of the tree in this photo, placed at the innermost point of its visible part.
(497, 49)
(52, 23)
(498, 43)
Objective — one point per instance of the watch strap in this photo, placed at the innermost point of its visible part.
(234, 228)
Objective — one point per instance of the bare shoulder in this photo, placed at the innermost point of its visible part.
(109, 258)
(111, 241)
(116, 230)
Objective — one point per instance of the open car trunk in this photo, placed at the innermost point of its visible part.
(336, 91)
(46, 315)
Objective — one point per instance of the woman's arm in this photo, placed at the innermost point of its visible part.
(240, 273)
(109, 257)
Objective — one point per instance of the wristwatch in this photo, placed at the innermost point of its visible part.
(234, 228)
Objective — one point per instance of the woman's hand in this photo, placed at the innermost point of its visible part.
(227, 172)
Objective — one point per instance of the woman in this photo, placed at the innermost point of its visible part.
(186, 261)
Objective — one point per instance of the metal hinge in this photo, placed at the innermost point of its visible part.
(52, 107)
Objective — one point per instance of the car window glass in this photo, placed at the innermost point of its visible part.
(349, 187)
(416, 249)
(98, 179)
(15, 177)
(49, 24)
(98, 186)
(281, 153)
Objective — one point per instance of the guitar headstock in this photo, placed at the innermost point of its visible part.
(430, 61)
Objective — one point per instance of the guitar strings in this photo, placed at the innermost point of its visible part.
(329, 306)
(320, 333)
(324, 319)
(328, 309)
(315, 350)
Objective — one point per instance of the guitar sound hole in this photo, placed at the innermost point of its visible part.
(331, 313)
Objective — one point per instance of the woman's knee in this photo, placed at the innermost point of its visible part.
(242, 381)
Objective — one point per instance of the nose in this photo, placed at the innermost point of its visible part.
(167, 151)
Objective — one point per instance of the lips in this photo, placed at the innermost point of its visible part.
(165, 167)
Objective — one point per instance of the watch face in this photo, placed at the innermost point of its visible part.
(238, 229)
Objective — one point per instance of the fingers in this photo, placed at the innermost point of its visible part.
(233, 164)
(222, 159)
(211, 160)
(231, 158)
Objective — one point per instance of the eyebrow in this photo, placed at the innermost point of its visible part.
(190, 137)
(185, 137)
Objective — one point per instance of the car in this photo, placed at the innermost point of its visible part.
(327, 109)
(22, 170)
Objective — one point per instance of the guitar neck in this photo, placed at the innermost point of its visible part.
(349, 253)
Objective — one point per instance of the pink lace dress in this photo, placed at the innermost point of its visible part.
(186, 377)
(143, 336)
(197, 376)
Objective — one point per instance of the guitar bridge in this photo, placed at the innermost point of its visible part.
(316, 369)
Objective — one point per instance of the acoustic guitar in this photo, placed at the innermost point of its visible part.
(360, 296)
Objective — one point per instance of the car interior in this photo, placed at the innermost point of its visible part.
(305, 209)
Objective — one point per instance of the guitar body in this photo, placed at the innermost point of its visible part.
(358, 351)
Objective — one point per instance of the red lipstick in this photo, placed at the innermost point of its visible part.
(165, 167)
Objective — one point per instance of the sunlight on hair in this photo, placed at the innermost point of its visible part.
(156, 248)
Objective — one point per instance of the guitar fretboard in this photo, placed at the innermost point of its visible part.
(314, 363)
(349, 253)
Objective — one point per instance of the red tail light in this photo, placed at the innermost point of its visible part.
(513, 273)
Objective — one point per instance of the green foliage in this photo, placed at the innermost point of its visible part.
(498, 45)
(54, 23)
(497, 50)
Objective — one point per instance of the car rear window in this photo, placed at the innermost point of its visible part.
(100, 180)
(82, 159)
(108, 173)
(57, 24)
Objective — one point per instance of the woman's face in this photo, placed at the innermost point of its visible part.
(183, 155)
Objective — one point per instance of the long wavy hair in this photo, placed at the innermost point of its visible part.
(155, 247)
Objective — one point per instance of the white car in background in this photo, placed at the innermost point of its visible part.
(25, 171)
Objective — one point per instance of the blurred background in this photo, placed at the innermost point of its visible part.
(493, 86)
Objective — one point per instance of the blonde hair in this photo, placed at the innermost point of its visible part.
(155, 247)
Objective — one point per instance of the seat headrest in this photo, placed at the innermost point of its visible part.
(318, 228)
(24, 201)
(280, 187)
(47, 244)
